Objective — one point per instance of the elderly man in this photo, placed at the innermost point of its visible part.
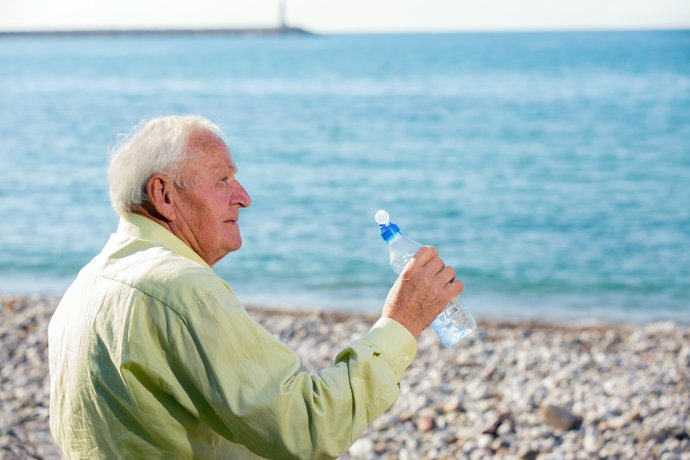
(153, 356)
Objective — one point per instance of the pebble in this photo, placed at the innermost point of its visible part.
(362, 448)
(560, 417)
(511, 390)
(425, 423)
(453, 405)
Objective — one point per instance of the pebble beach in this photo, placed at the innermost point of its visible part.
(511, 390)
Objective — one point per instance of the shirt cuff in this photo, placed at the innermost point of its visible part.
(396, 343)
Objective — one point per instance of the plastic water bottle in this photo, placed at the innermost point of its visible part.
(455, 321)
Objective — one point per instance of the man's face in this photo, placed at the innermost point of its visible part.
(210, 199)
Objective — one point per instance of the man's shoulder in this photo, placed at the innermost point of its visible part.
(163, 275)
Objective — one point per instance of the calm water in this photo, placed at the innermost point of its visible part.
(553, 170)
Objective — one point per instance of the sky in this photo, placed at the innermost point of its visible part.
(351, 16)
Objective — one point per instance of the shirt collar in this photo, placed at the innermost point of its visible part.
(143, 228)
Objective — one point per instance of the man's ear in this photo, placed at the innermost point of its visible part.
(161, 192)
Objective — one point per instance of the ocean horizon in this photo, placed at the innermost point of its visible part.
(552, 169)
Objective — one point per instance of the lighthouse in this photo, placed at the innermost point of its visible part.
(282, 22)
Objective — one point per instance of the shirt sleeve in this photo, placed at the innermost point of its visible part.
(246, 384)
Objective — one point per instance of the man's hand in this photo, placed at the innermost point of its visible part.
(422, 291)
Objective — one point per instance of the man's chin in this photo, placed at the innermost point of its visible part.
(227, 250)
(234, 245)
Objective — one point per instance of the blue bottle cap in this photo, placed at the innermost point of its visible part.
(389, 231)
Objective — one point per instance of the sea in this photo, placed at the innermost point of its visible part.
(551, 169)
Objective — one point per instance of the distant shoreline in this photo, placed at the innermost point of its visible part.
(247, 32)
(298, 31)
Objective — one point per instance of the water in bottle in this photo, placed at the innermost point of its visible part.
(455, 321)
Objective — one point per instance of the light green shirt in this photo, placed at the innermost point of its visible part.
(152, 356)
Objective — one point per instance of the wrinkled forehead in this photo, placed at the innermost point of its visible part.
(206, 151)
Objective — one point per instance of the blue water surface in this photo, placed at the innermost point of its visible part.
(552, 169)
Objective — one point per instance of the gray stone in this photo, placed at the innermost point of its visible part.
(452, 405)
(362, 448)
(426, 423)
(529, 455)
(560, 417)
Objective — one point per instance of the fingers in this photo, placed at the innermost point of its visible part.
(424, 255)
(428, 258)
(454, 288)
(424, 288)
(445, 276)
(435, 266)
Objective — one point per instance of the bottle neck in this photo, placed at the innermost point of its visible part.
(390, 232)
(393, 238)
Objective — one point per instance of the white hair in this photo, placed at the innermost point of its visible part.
(153, 146)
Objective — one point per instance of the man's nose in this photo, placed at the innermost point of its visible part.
(242, 198)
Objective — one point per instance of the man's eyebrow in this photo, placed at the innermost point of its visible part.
(228, 169)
